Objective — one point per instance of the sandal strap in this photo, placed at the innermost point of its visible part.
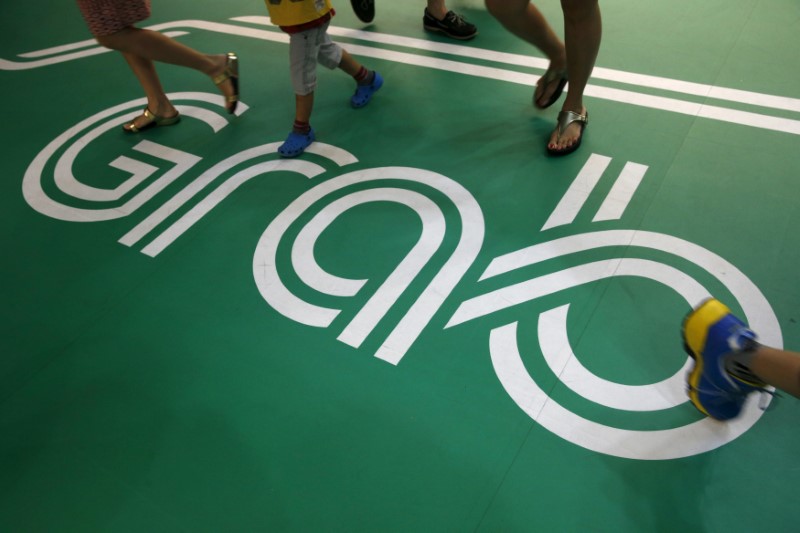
(231, 69)
(552, 75)
(221, 78)
(133, 128)
(565, 118)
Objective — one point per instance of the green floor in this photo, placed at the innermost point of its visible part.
(370, 339)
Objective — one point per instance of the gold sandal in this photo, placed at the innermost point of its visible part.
(231, 72)
(153, 120)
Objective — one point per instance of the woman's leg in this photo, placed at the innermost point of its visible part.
(524, 20)
(151, 46)
(582, 33)
(157, 101)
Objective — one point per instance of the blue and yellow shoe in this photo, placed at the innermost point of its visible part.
(710, 335)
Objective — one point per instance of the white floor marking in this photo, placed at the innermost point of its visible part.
(408, 329)
(556, 349)
(572, 201)
(691, 439)
(433, 231)
(618, 95)
(225, 189)
(621, 192)
(37, 198)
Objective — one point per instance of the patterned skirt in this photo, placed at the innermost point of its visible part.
(105, 17)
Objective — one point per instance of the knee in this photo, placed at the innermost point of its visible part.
(578, 9)
(504, 8)
(115, 40)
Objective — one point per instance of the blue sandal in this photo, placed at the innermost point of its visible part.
(296, 143)
(364, 93)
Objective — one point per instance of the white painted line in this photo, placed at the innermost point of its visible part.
(225, 189)
(621, 193)
(81, 44)
(572, 201)
(434, 228)
(599, 73)
(557, 351)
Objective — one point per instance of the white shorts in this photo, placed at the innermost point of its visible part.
(306, 48)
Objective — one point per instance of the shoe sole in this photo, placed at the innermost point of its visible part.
(445, 32)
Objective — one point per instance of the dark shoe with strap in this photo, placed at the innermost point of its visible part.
(453, 25)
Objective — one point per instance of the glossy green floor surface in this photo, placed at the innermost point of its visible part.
(425, 325)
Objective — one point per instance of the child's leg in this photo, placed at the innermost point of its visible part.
(304, 104)
(333, 56)
(303, 50)
(350, 65)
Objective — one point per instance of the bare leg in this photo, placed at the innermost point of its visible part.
(582, 33)
(524, 20)
(157, 101)
(779, 368)
(153, 46)
(349, 64)
(437, 9)
(304, 104)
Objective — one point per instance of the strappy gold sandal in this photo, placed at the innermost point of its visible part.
(231, 72)
(153, 120)
(565, 118)
(549, 77)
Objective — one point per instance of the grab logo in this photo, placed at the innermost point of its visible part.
(444, 209)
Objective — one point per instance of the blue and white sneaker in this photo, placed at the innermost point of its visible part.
(364, 93)
(711, 334)
(296, 143)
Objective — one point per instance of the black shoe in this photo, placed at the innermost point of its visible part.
(453, 25)
(364, 9)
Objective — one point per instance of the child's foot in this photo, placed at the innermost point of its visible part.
(364, 93)
(296, 143)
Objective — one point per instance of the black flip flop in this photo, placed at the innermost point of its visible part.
(549, 77)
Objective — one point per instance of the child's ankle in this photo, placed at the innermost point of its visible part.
(364, 76)
(301, 127)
